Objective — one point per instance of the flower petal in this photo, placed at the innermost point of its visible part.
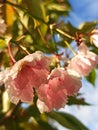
(20, 88)
(55, 93)
(94, 37)
(51, 99)
(84, 61)
(26, 74)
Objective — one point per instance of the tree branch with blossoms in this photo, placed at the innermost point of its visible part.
(44, 69)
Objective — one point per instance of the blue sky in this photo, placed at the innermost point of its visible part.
(85, 10)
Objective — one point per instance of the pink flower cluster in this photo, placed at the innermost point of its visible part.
(53, 88)
(54, 94)
(84, 61)
(25, 74)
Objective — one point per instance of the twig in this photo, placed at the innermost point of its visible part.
(70, 47)
(44, 41)
(64, 34)
(10, 53)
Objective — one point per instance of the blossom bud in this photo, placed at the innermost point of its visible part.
(94, 37)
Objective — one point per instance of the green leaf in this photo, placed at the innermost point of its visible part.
(15, 29)
(36, 8)
(2, 44)
(86, 27)
(92, 77)
(32, 111)
(12, 124)
(95, 50)
(57, 7)
(67, 120)
(78, 101)
(46, 125)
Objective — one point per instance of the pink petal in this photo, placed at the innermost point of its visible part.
(51, 99)
(39, 77)
(84, 61)
(26, 74)
(37, 60)
(20, 88)
(60, 85)
(61, 79)
(94, 37)
(42, 106)
(4, 75)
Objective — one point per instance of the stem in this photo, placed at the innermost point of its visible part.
(44, 41)
(64, 34)
(10, 53)
(24, 49)
(70, 47)
(54, 40)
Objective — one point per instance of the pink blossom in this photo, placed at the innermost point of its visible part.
(84, 61)
(50, 99)
(56, 92)
(42, 107)
(59, 78)
(2, 26)
(94, 37)
(26, 74)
